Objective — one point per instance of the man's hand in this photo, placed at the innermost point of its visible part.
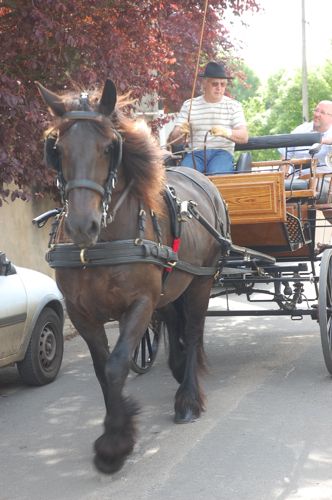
(185, 128)
(221, 132)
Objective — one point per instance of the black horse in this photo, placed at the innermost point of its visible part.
(119, 255)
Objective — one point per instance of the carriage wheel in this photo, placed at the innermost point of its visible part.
(325, 307)
(146, 351)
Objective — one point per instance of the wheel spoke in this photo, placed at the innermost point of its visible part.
(145, 353)
(135, 355)
(149, 344)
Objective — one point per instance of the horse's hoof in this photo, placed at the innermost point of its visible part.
(108, 467)
(187, 418)
(111, 452)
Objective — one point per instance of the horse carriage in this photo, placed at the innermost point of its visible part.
(273, 210)
(150, 247)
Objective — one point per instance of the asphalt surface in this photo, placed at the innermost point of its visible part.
(266, 434)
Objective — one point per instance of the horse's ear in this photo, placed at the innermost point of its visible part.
(108, 98)
(52, 100)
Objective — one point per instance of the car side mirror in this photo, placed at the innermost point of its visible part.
(4, 264)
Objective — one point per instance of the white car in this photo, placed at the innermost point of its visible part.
(31, 323)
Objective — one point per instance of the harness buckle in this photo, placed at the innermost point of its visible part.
(83, 258)
(104, 219)
(184, 213)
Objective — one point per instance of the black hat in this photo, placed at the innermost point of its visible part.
(215, 70)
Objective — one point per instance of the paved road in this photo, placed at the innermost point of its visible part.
(266, 434)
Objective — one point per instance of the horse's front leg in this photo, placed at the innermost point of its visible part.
(118, 440)
(96, 339)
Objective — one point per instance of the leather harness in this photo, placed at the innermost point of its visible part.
(69, 255)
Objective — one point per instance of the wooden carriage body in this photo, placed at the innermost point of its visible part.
(272, 206)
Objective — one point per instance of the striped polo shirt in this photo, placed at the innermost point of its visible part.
(204, 115)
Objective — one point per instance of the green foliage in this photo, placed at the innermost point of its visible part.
(245, 84)
(277, 106)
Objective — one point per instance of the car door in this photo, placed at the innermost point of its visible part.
(13, 313)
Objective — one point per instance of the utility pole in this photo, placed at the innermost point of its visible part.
(305, 105)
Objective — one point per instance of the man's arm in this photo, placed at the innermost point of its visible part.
(239, 135)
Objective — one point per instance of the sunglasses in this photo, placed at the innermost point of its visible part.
(218, 84)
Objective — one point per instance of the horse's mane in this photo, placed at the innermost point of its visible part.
(142, 157)
(142, 160)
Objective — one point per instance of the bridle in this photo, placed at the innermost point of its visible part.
(106, 190)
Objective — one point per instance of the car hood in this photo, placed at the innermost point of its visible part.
(39, 286)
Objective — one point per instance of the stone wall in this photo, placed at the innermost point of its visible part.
(25, 244)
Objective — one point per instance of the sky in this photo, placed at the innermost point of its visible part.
(273, 38)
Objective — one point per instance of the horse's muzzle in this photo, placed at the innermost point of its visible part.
(83, 233)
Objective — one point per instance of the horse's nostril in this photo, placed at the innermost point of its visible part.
(94, 228)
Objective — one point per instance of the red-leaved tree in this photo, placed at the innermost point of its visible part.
(145, 46)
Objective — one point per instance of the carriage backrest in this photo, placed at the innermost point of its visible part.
(244, 162)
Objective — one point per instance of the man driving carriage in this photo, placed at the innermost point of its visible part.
(213, 124)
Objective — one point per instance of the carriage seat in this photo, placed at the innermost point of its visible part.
(301, 188)
(295, 184)
(243, 163)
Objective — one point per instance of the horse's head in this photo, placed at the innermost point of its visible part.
(86, 152)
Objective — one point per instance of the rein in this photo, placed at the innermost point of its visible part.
(121, 199)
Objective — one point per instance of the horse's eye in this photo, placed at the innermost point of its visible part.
(108, 149)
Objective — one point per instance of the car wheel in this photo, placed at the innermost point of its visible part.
(45, 350)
